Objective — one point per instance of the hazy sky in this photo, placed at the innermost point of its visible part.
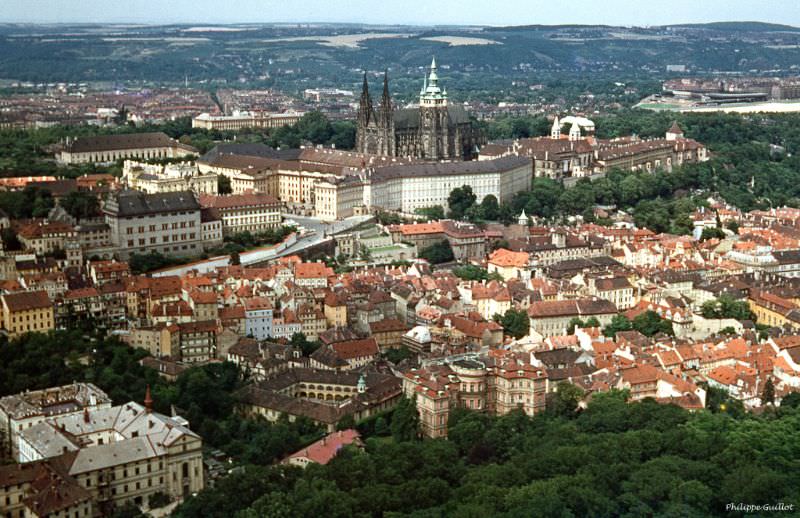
(478, 12)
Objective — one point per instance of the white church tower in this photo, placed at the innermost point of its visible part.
(555, 131)
(575, 131)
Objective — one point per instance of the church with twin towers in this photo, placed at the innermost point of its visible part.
(435, 130)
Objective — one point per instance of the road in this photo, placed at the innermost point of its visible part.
(321, 230)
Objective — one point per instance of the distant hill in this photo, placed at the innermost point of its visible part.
(547, 27)
(740, 26)
(295, 57)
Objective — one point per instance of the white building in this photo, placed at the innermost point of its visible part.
(155, 178)
(244, 212)
(110, 148)
(22, 411)
(122, 454)
(415, 186)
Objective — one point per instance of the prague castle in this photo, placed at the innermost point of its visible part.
(435, 130)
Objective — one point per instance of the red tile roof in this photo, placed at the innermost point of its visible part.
(326, 448)
(312, 271)
(504, 258)
(27, 300)
(356, 348)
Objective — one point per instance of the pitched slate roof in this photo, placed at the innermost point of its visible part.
(134, 203)
(498, 165)
(126, 141)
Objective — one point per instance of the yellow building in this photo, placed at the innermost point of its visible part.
(110, 148)
(774, 311)
(26, 312)
(337, 198)
(335, 310)
(244, 120)
(388, 333)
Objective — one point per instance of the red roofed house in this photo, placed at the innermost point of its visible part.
(45, 237)
(103, 272)
(312, 275)
(356, 353)
(510, 265)
(324, 450)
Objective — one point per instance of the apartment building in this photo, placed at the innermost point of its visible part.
(168, 223)
(28, 311)
(338, 197)
(243, 120)
(21, 411)
(154, 178)
(244, 212)
(552, 317)
(119, 455)
(45, 237)
(493, 385)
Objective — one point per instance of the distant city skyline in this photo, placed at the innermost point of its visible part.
(407, 12)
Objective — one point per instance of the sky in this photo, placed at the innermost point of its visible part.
(408, 12)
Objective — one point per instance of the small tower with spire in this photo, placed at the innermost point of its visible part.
(555, 131)
(674, 132)
(522, 219)
(432, 94)
(361, 387)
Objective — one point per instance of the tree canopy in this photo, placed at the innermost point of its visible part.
(726, 307)
(437, 253)
(615, 458)
(461, 200)
(515, 323)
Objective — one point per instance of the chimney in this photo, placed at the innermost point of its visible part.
(148, 401)
(86, 415)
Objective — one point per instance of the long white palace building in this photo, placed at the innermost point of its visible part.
(336, 190)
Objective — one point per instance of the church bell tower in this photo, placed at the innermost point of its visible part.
(433, 117)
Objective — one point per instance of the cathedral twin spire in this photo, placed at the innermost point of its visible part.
(366, 111)
(430, 93)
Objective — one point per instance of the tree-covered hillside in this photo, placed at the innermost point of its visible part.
(613, 459)
(280, 55)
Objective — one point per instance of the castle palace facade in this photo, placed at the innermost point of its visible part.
(435, 130)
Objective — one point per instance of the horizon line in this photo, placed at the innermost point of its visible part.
(376, 24)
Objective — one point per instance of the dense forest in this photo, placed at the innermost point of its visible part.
(612, 459)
